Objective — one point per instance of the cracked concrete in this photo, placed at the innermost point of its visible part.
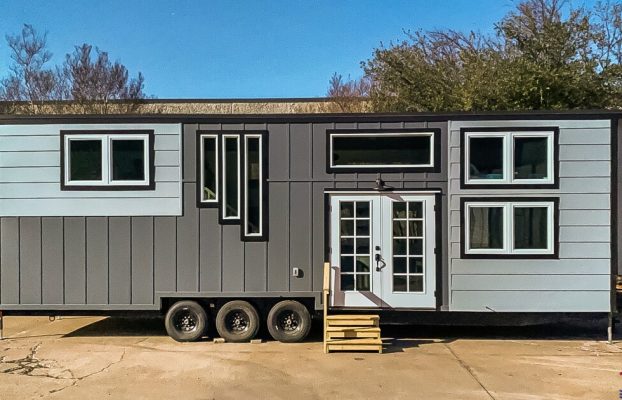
(97, 358)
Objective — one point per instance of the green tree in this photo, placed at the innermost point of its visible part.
(544, 55)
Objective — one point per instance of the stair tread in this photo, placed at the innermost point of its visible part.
(352, 329)
(361, 341)
(351, 316)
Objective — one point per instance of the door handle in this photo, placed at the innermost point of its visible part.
(380, 264)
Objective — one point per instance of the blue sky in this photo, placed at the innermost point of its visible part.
(229, 49)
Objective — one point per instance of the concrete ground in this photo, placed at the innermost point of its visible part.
(100, 358)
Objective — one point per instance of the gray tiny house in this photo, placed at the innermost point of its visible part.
(231, 218)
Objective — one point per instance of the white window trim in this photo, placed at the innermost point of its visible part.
(508, 158)
(246, 232)
(224, 178)
(383, 134)
(508, 227)
(106, 162)
(217, 172)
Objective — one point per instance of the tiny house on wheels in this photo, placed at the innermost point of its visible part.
(229, 219)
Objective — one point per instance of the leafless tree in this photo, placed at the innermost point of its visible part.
(349, 94)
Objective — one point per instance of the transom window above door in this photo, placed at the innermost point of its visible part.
(383, 150)
(509, 158)
(107, 160)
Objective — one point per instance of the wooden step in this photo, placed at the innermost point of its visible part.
(337, 332)
(354, 345)
(352, 322)
(352, 316)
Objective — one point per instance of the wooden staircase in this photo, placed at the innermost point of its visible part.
(349, 332)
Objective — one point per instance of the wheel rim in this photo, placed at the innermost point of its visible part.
(238, 322)
(186, 320)
(288, 321)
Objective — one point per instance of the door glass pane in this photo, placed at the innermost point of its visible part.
(531, 157)
(253, 193)
(231, 181)
(399, 283)
(399, 265)
(347, 227)
(395, 150)
(355, 245)
(128, 160)
(486, 227)
(531, 228)
(408, 246)
(347, 282)
(486, 158)
(85, 160)
(209, 191)
(346, 209)
(362, 264)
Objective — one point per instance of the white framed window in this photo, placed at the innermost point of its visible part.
(209, 168)
(106, 160)
(230, 177)
(522, 157)
(253, 185)
(380, 150)
(511, 228)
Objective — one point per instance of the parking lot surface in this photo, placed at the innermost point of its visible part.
(119, 358)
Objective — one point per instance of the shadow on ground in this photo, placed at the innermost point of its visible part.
(397, 337)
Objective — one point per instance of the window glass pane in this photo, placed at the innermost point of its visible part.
(347, 227)
(381, 150)
(347, 209)
(362, 264)
(347, 282)
(128, 160)
(362, 227)
(253, 188)
(531, 228)
(415, 283)
(486, 158)
(486, 227)
(231, 205)
(362, 282)
(399, 283)
(347, 264)
(531, 157)
(85, 160)
(399, 265)
(209, 191)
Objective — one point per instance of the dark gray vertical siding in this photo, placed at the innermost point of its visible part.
(189, 149)
(9, 260)
(188, 242)
(30, 260)
(97, 260)
(318, 159)
(278, 246)
(120, 267)
(210, 276)
(255, 257)
(279, 152)
(75, 260)
(52, 260)
(317, 234)
(232, 259)
(300, 152)
(300, 235)
(142, 260)
(165, 254)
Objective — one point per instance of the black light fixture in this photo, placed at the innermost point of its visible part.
(381, 186)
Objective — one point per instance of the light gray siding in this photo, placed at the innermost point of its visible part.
(580, 279)
(30, 175)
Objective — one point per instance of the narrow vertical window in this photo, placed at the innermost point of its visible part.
(209, 168)
(253, 177)
(231, 177)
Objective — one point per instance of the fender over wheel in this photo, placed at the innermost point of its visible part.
(186, 321)
(289, 321)
(237, 321)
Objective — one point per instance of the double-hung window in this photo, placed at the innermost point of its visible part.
(512, 158)
(513, 228)
(107, 160)
(232, 175)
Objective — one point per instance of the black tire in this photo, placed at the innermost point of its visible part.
(237, 321)
(289, 321)
(186, 321)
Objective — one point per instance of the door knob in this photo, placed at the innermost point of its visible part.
(380, 264)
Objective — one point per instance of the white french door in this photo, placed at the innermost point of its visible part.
(382, 250)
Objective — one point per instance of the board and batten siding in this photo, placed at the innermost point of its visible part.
(579, 281)
(30, 175)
